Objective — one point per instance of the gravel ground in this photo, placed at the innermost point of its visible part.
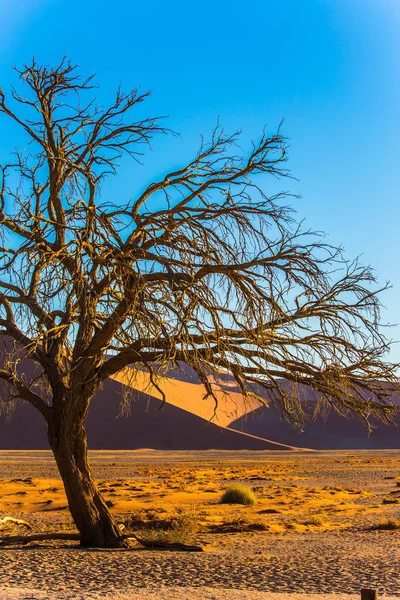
(267, 566)
(309, 564)
(161, 593)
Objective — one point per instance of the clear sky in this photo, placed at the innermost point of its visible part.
(330, 68)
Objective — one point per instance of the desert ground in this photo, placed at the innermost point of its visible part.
(323, 523)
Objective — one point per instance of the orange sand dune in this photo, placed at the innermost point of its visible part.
(188, 421)
(146, 425)
(190, 396)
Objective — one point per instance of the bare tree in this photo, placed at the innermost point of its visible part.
(221, 277)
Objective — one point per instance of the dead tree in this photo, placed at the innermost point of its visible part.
(203, 267)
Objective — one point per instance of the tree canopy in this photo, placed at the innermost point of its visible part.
(221, 277)
(204, 266)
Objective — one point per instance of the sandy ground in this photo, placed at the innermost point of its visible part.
(316, 514)
(174, 594)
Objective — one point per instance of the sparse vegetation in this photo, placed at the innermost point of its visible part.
(353, 490)
(167, 518)
(238, 494)
(179, 527)
(239, 525)
(388, 524)
(334, 488)
(315, 520)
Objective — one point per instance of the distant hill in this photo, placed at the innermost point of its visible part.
(184, 421)
(330, 433)
(147, 425)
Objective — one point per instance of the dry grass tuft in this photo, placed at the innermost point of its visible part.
(388, 525)
(239, 525)
(315, 520)
(180, 527)
(238, 494)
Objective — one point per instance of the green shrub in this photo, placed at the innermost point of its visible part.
(238, 494)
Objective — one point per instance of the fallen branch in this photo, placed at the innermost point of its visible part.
(39, 537)
(164, 545)
(5, 520)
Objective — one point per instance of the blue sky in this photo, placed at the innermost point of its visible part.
(330, 68)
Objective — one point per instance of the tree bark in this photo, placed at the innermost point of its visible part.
(94, 521)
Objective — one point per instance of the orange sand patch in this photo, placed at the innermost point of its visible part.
(279, 507)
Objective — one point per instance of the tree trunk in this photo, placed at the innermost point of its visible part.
(89, 511)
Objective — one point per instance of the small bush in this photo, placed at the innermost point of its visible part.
(238, 494)
(315, 520)
(180, 527)
(146, 519)
(334, 488)
(389, 524)
(184, 528)
(239, 525)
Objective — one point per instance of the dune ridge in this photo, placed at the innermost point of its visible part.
(188, 420)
